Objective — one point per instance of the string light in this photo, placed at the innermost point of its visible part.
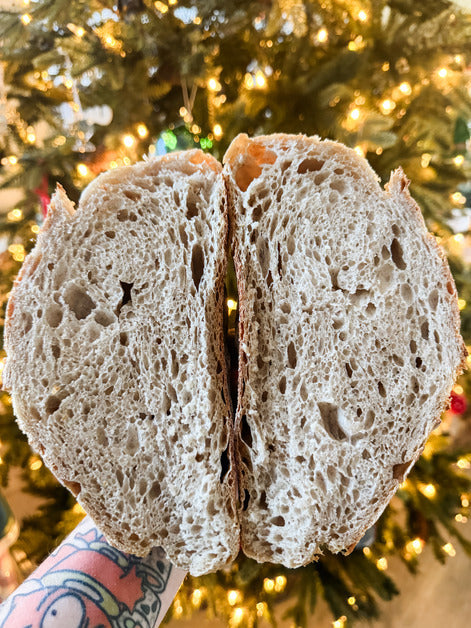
(177, 608)
(231, 306)
(142, 130)
(268, 585)
(237, 616)
(458, 198)
(217, 130)
(26, 18)
(214, 85)
(17, 251)
(359, 150)
(385, 66)
(196, 597)
(355, 114)
(449, 549)
(83, 170)
(197, 20)
(461, 518)
(129, 140)
(458, 389)
(35, 464)
(458, 160)
(463, 463)
(405, 88)
(387, 105)
(362, 16)
(260, 79)
(172, 2)
(428, 490)
(351, 600)
(15, 215)
(425, 160)
(415, 546)
(234, 597)
(356, 44)
(30, 135)
(322, 35)
(35, 229)
(442, 72)
(464, 501)
(340, 622)
(76, 30)
(280, 583)
(461, 304)
(382, 563)
(12, 159)
(261, 608)
(367, 552)
(195, 129)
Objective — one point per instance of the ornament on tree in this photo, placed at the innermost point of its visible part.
(42, 193)
(458, 403)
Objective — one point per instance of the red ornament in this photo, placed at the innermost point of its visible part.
(458, 403)
(43, 195)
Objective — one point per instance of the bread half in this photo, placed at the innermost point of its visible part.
(349, 342)
(116, 363)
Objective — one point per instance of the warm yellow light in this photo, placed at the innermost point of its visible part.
(16, 249)
(461, 305)
(172, 2)
(261, 608)
(355, 114)
(415, 546)
(217, 130)
(30, 135)
(142, 130)
(248, 81)
(35, 464)
(13, 159)
(382, 563)
(458, 160)
(76, 30)
(83, 170)
(214, 85)
(351, 600)
(359, 150)
(160, 6)
(340, 622)
(449, 549)
(231, 305)
(458, 198)
(458, 389)
(322, 35)
(362, 16)
(69, 83)
(280, 583)
(196, 597)
(268, 585)
(464, 501)
(463, 463)
(405, 88)
(367, 552)
(387, 105)
(260, 79)
(78, 510)
(195, 129)
(234, 597)
(428, 490)
(177, 608)
(15, 215)
(26, 19)
(197, 20)
(126, 161)
(461, 518)
(129, 140)
(442, 72)
(35, 228)
(425, 160)
(385, 66)
(237, 616)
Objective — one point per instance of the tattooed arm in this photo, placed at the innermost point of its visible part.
(87, 583)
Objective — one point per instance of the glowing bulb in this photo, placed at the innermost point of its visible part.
(214, 85)
(35, 228)
(30, 135)
(355, 114)
(280, 583)
(362, 16)
(197, 20)
(442, 72)
(367, 552)
(260, 79)
(35, 464)
(15, 215)
(231, 305)
(359, 150)
(382, 563)
(457, 197)
(461, 304)
(415, 546)
(463, 463)
(172, 2)
(458, 160)
(78, 510)
(142, 130)
(429, 491)
(182, 111)
(387, 105)
(268, 585)
(322, 35)
(160, 6)
(385, 66)
(76, 30)
(217, 130)
(405, 88)
(128, 140)
(248, 81)
(458, 389)
(261, 608)
(449, 549)
(234, 597)
(464, 502)
(351, 600)
(83, 170)
(340, 622)
(196, 597)
(237, 615)
(26, 19)
(12, 160)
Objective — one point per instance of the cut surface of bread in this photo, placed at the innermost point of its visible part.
(349, 342)
(116, 360)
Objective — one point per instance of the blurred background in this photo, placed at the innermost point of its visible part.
(89, 86)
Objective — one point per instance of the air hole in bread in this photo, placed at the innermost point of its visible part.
(74, 487)
(104, 318)
(197, 264)
(79, 301)
(101, 437)
(56, 351)
(245, 431)
(418, 362)
(132, 195)
(183, 235)
(330, 420)
(433, 299)
(291, 245)
(246, 499)
(381, 389)
(450, 287)
(397, 254)
(54, 315)
(399, 470)
(339, 185)
(413, 346)
(349, 370)
(132, 441)
(385, 252)
(397, 360)
(282, 385)
(123, 339)
(406, 292)
(264, 396)
(310, 165)
(424, 330)
(110, 234)
(278, 521)
(370, 309)
(263, 254)
(52, 404)
(225, 464)
(257, 213)
(27, 322)
(292, 355)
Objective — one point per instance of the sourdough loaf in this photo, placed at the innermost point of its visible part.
(116, 362)
(349, 342)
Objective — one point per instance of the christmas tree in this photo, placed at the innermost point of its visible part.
(88, 86)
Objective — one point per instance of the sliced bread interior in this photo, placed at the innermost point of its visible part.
(116, 361)
(349, 342)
